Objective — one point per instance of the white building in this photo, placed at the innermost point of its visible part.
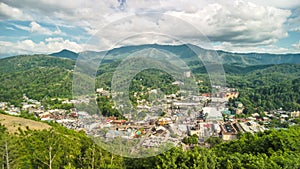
(214, 114)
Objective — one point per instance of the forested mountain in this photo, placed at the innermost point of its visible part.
(268, 87)
(188, 55)
(26, 62)
(41, 76)
(66, 54)
(37, 76)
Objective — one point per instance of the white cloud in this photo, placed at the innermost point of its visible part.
(9, 28)
(241, 23)
(295, 29)
(225, 46)
(286, 4)
(8, 12)
(34, 27)
(296, 45)
(49, 45)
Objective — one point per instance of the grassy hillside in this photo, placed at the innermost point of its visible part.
(13, 123)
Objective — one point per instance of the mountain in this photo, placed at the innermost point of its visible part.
(258, 58)
(40, 76)
(189, 56)
(66, 54)
(26, 62)
(37, 76)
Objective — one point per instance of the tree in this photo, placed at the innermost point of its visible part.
(9, 149)
(191, 140)
(213, 141)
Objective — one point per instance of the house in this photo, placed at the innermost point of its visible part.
(187, 74)
(217, 128)
(164, 121)
(45, 115)
(255, 115)
(28, 106)
(284, 116)
(231, 95)
(154, 91)
(83, 114)
(119, 122)
(295, 114)
(206, 94)
(226, 112)
(266, 119)
(3, 105)
(103, 92)
(13, 113)
(239, 107)
(178, 83)
(143, 107)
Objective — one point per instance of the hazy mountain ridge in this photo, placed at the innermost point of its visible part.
(186, 54)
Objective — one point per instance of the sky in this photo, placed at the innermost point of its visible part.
(47, 26)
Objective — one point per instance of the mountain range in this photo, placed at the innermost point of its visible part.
(39, 76)
(187, 54)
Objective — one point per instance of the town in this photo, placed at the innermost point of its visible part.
(176, 118)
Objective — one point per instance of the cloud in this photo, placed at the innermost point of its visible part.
(290, 4)
(27, 46)
(296, 45)
(240, 23)
(225, 46)
(8, 12)
(295, 29)
(9, 28)
(34, 27)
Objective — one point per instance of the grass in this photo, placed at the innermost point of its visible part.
(12, 123)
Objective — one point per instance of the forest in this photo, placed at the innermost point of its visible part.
(59, 147)
(261, 87)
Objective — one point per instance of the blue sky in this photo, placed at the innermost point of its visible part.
(48, 26)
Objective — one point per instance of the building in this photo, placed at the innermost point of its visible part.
(239, 107)
(231, 95)
(213, 114)
(187, 74)
(229, 132)
(295, 114)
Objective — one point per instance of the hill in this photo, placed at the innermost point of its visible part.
(70, 149)
(27, 62)
(37, 76)
(12, 123)
(65, 54)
